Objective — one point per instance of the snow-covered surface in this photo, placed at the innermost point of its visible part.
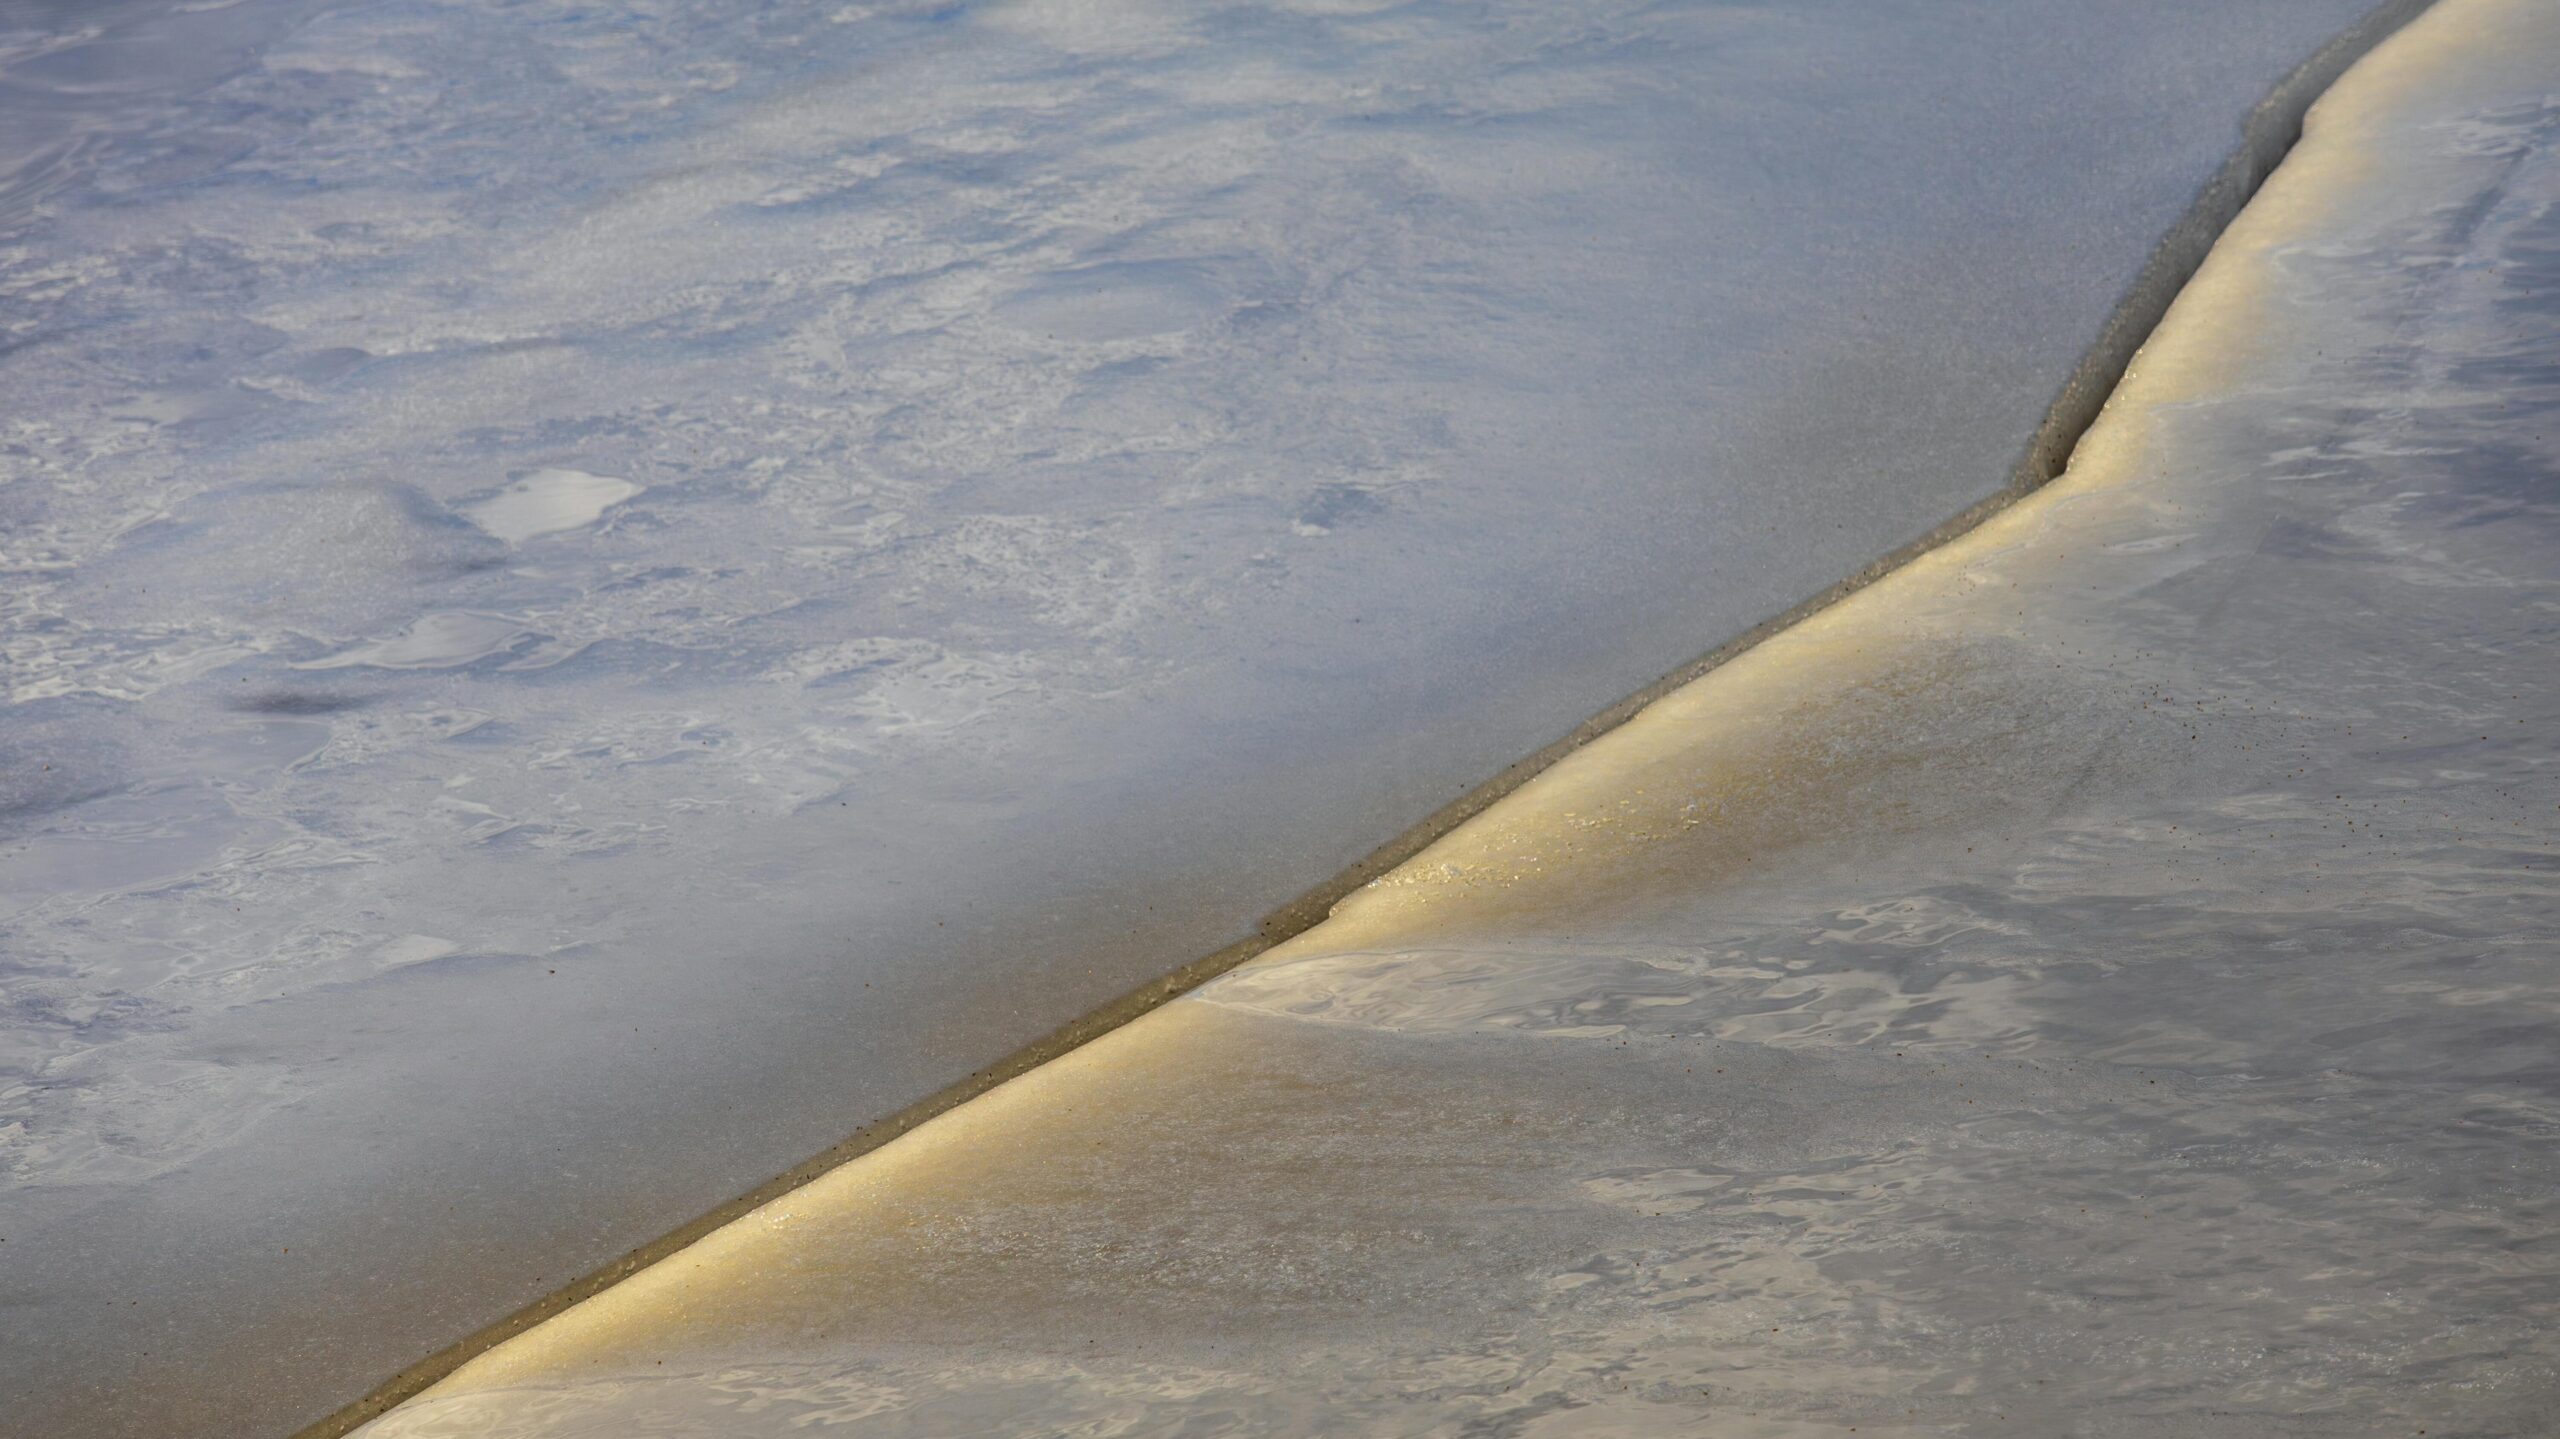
(2100, 981)
(597, 595)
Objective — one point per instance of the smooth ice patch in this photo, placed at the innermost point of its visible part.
(548, 502)
(411, 949)
(1102, 303)
(436, 641)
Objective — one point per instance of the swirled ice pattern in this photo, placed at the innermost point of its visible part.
(595, 595)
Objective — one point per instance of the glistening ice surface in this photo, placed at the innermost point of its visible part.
(2098, 982)
(598, 595)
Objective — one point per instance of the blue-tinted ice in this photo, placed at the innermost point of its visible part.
(2097, 982)
(597, 596)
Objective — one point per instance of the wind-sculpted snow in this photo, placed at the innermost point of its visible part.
(2096, 981)
(597, 597)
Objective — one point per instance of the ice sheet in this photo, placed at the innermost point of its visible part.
(1094, 470)
(2098, 981)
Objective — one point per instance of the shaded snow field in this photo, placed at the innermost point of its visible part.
(2099, 981)
(594, 597)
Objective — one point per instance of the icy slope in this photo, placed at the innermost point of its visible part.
(599, 596)
(2097, 982)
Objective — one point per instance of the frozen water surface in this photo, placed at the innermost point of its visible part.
(2097, 982)
(597, 596)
